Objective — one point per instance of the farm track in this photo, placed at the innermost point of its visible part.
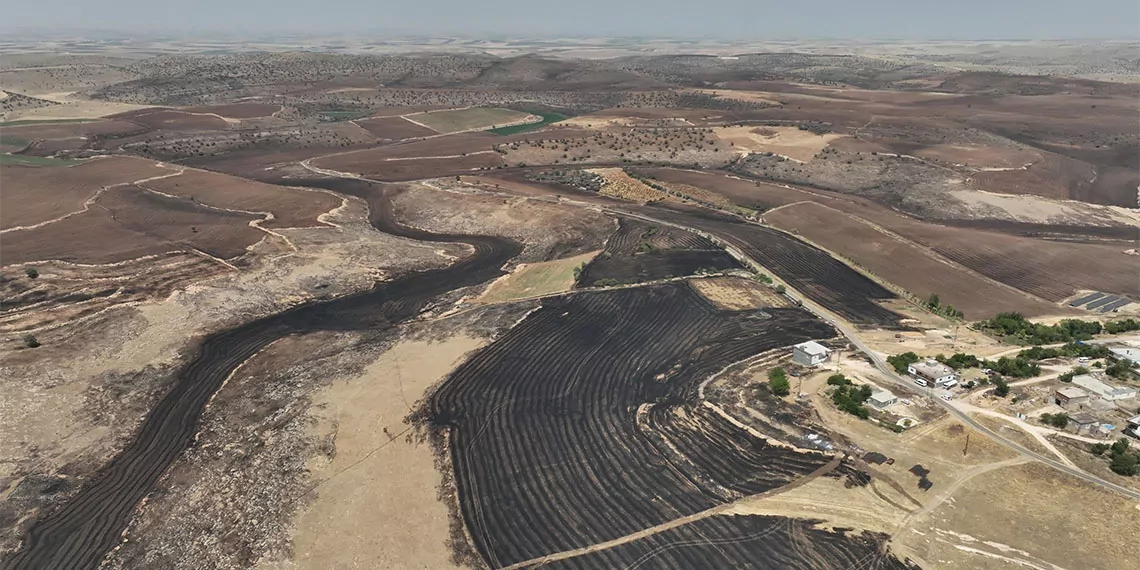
(581, 424)
(84, 529)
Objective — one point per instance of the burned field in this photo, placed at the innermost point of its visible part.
(728, 542)
(639, 251)
(806, 268)
(609, 378)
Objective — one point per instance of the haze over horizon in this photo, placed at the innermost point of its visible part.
(724, 19)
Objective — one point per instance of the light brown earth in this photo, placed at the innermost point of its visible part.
(537, 279)
(791, 142)
(621, 185)
(375, 505)
(738, 293)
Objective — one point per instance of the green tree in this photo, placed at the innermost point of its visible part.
(1001, 388)
(32, 273)
(778, 382)
(932, 301)
(30, 341)
(1127, 464)
(1099, 448)
(837, 380)
(1120, 446)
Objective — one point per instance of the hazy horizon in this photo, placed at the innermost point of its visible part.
(725, 19)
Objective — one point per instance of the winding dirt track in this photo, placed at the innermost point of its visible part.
(78, 535)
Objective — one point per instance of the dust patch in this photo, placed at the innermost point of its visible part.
(537, 279)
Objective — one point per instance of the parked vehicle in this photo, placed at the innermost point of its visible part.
(921, 382)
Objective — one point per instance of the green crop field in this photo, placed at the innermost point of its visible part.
(547, 118)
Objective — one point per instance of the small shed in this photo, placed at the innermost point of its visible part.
(810, 353)
(882, 398)
(1083, 422)
(1071, 397)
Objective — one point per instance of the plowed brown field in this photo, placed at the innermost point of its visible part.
(291, 207)
(33, 195)
(903, 263)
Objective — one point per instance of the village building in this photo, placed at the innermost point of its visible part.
(810, 353)
(882, 398)
(1071, 397)
(933, 372)
(1103, 390)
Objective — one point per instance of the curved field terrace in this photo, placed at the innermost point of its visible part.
(580, 426)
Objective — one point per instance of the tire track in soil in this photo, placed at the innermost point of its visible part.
(78, 535)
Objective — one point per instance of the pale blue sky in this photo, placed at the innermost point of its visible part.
(755, 19)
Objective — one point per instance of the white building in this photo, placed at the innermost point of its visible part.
(1133, 428)
(933, 371)
(1126, 353)
(810, 353)
(1102, 389)
(882, 398)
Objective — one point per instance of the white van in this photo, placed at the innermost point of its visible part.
(921, 382)
(1083, 359)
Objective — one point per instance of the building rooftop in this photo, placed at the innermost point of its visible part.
(1071, 392)
(932, 369)
(813, 348)
(1084, 419)
(1128, 352)
(1103, 389)
(1134, 420)
(882, 396)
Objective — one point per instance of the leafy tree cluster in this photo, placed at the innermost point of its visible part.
(1058, 421)
(778, 382)
(850, 398)
(1001, 387)
(901, 361)
(1123, 461)
(1119, 369)
(1014, 326)
(1017, 367)
(960, 361)
(1070, 350)
(933, 303)
(838, 380)
(1068, 376)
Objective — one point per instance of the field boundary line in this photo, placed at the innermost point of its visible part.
(724, 508)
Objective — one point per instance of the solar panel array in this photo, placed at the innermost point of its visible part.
(1101, 302)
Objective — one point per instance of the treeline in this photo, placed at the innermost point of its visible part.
(1014, 327)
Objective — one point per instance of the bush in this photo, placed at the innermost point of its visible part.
(1099, 448)
(778, 382)
(1058, 421)
(838, 380)
(32, 272)
(1119, 369)
(1127, 464)
(960, 361)
(31, 341)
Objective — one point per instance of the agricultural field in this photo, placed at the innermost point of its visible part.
(487, 304)
(639, 252)
(500, 486)
(474, 119)
(917, 270)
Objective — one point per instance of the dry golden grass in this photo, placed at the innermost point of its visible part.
(536, 279)
(737, 293)
(621, 185)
